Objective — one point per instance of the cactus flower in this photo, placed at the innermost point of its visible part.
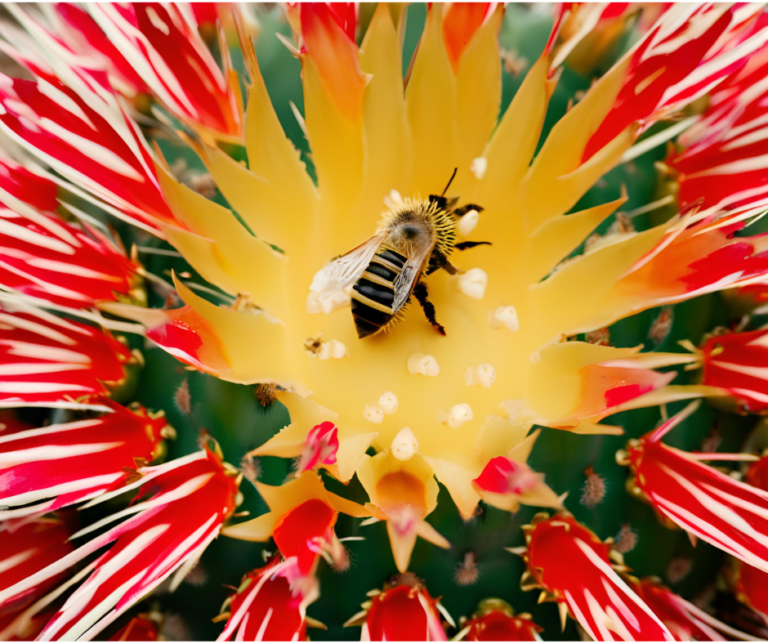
(400, 263)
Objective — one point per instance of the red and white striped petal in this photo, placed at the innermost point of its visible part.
(724, 155)
(696, 259)
(181, 507)
(163, 46)
(77, 28)
(18, 184)
(738, 363)
(684, 620)
(690, 49)
(266, 608)
(403, 611)
(569, 562)
(44, 469)
(90, 142)
(711, 505)
(43, 256)
(24, 551)
(48, 360)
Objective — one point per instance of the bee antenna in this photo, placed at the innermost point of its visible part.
(450, 181)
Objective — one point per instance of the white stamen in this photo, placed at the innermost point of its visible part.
(458, 415)
(467, 224)
(478, 166)
(373, 413)
(504, 316)
(424, 364)
(331, 349)
(404, 444)
(483, 375)
(473, 283)
(388, 403)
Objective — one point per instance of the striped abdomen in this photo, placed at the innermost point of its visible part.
(374, 293)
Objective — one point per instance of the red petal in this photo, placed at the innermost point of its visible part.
(27, 187)
(569, 561)
(43, 256)
(175, 62)
(88, 39)
(460, 22)
(753, 584)
(98, 150)
(336, 57)
(404, 613)
(699, 259)
(320, 448)
(502, 475)
(302, 532)
(265, 608)
(729, 514)
(187, 501)
(497, 626)
(737, 363)
(59, 465)
(138, 629)
(50, 359)
(757, 474)
(685, 621)
(671, 69)
(25, 550)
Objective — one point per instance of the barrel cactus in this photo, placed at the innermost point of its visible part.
(337, 321)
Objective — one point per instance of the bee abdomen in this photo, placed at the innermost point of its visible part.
(374, 293)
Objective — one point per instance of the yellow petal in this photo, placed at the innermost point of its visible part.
(340, 504)
(352, 448)
(254, 345)
(258, 529)
(222, 259)
(509, 152)
(388, 154)
(428, 533)
(498, 436)
(305, 413)
(432, 110)
(402, 546)
(553, 184)
(548, 194)
(559, 236)
(580, 296)
(478, 89)
(458, 481)
(264, 204)
(522, 451)
(337, 151)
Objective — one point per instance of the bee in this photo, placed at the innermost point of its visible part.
(413, 240)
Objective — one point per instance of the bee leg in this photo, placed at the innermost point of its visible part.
(470, 244)
(421, 295)
(444, 203)
(460, 212)
(438, 261)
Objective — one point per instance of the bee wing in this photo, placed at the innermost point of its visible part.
(347, 269)
(407, 279)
